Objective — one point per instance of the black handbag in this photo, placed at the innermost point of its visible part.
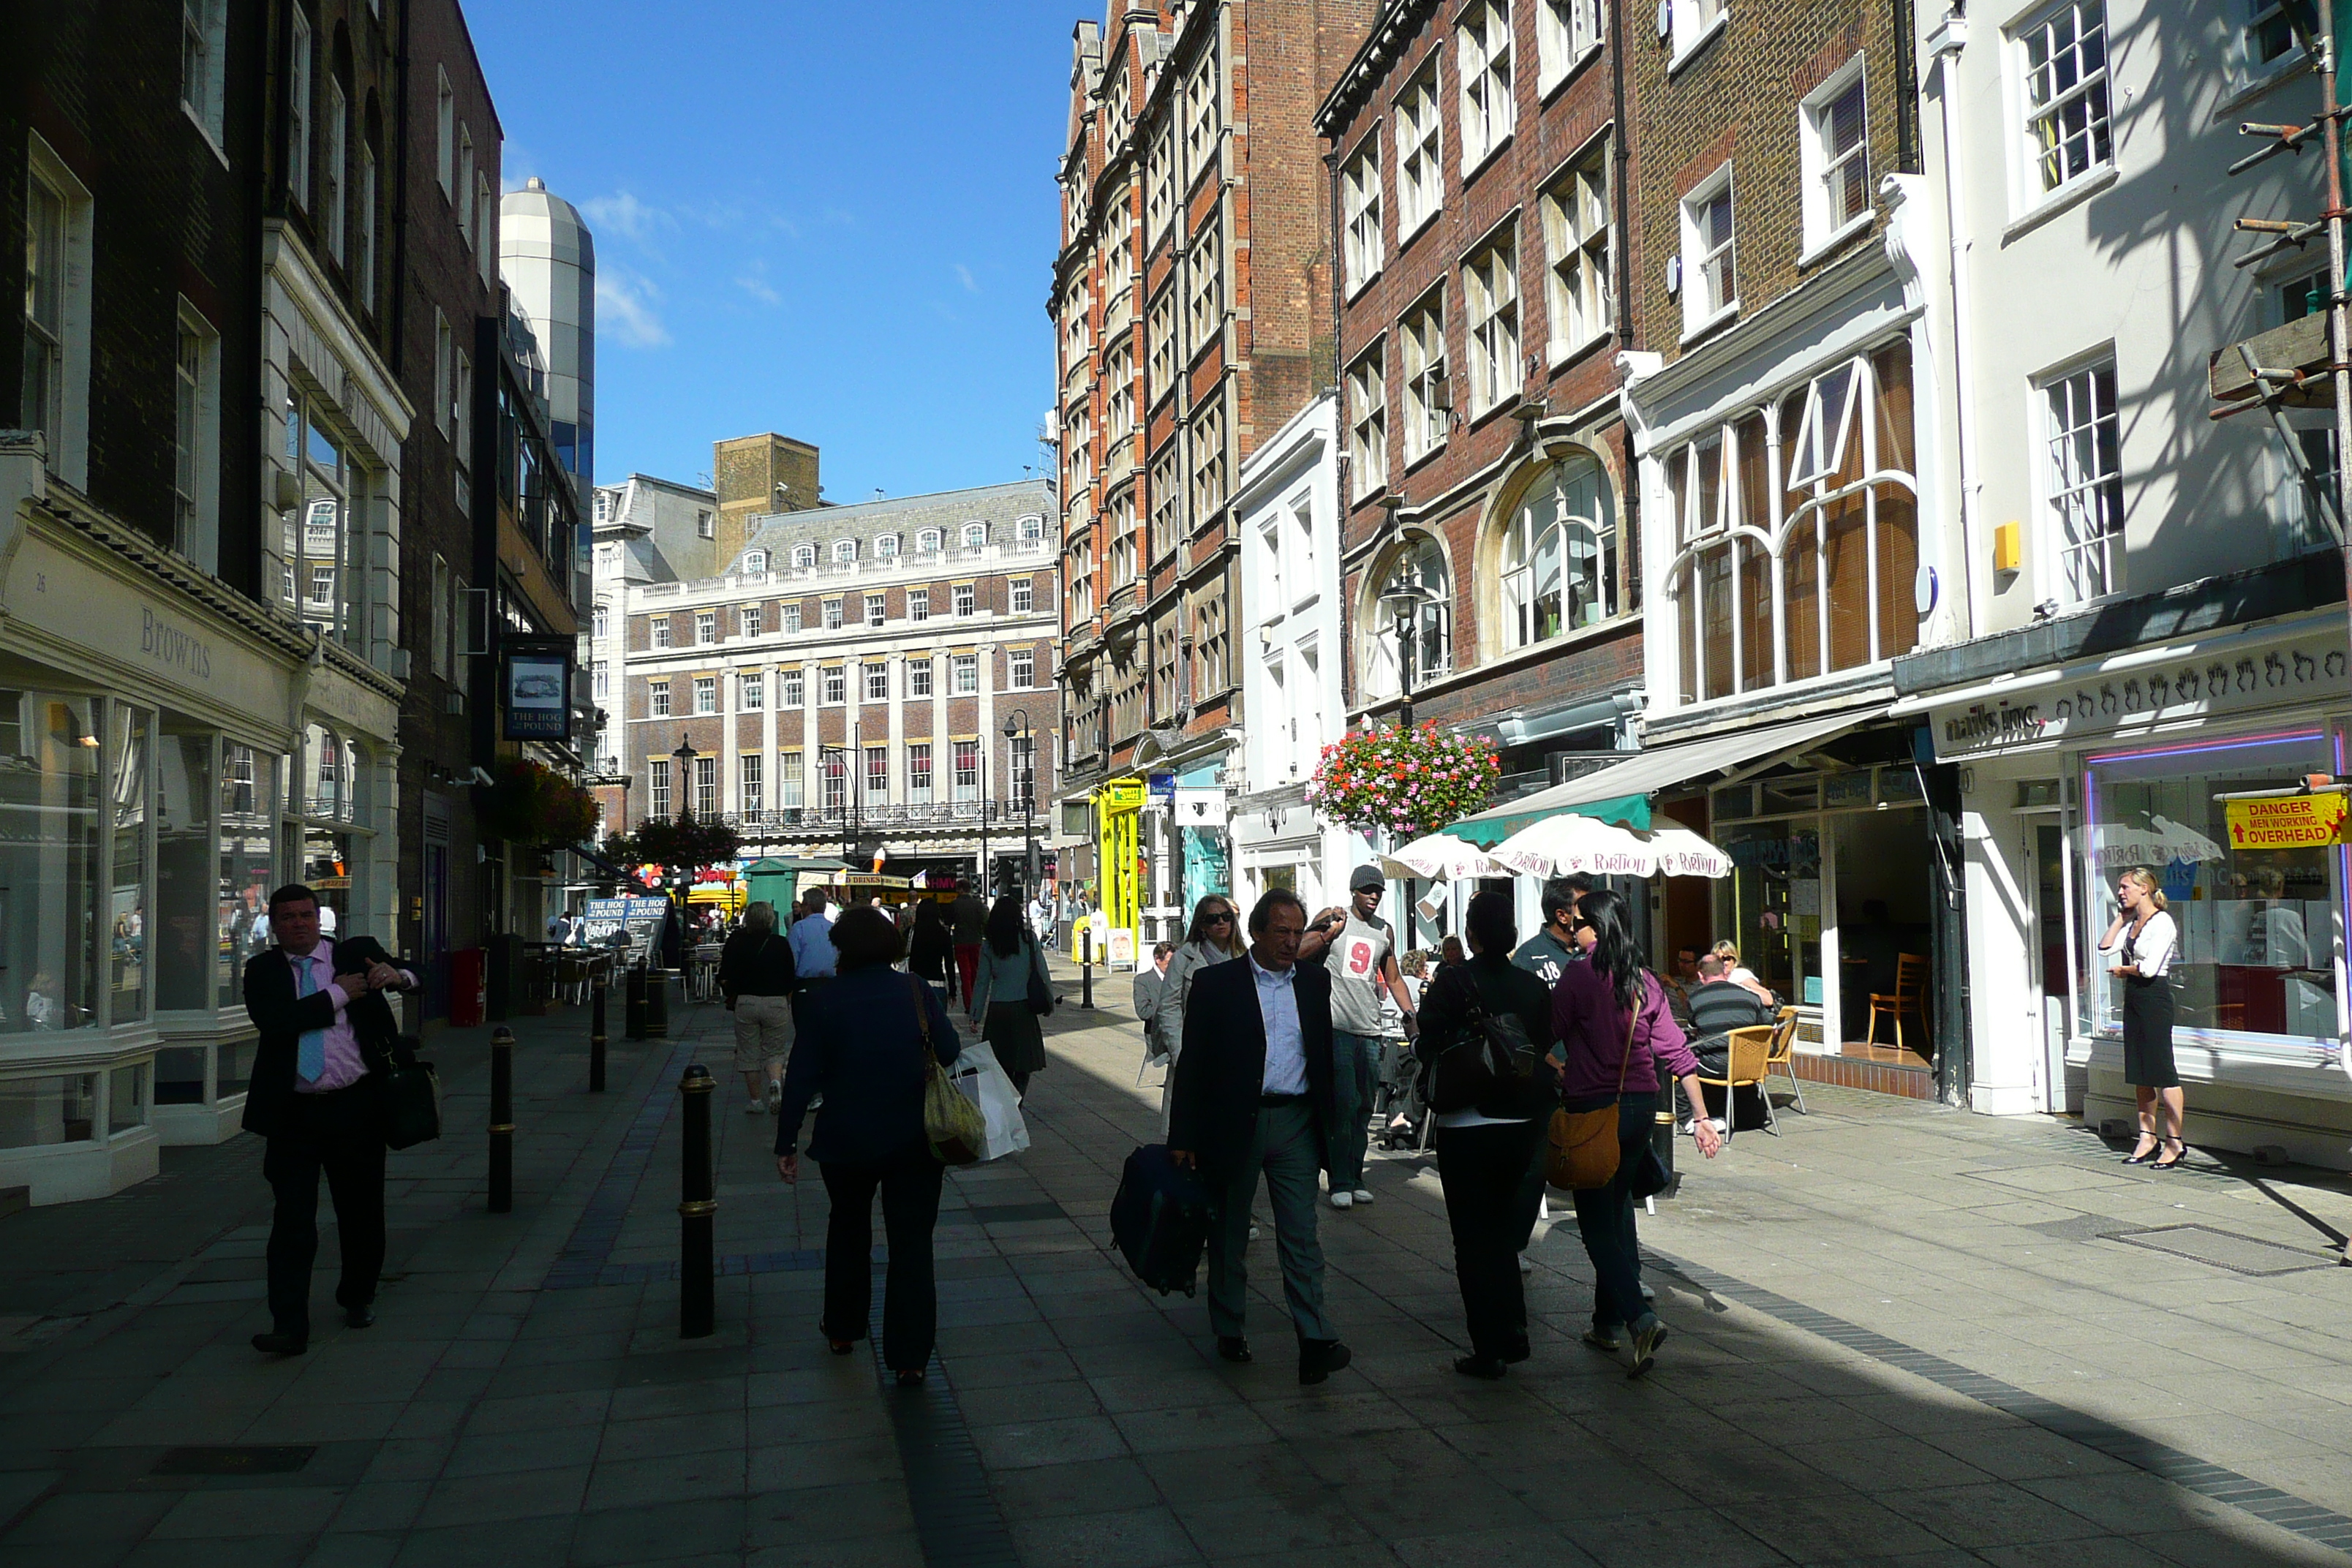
(1041, 991)
(408, 1105)
(1490, 1066)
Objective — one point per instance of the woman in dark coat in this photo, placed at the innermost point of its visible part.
(1484, 1154)
(862, 1039)
(1000, 993)
(929, 950)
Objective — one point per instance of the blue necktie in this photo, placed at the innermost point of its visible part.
(311, 1063)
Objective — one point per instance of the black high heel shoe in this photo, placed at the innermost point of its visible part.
(2176, 1162)
(2144, 1156)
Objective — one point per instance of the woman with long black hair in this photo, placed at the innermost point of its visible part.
(1611, 1019)
(1000, 993)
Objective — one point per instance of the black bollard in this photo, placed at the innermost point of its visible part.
(501, 1120)
(1086, 968)
(633, 1005)
(1662, 1133)
(658, 1003)
(597, 989)
(697, 1210)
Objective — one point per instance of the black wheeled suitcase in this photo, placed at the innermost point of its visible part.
(1160, 1219)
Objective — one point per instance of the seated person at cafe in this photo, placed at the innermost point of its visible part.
(1718, 1004)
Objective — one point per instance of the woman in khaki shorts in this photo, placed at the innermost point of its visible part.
(757, 977)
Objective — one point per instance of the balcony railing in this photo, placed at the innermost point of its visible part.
(922, 561)
(940, 814)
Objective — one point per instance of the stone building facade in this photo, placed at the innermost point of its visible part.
(845, 684)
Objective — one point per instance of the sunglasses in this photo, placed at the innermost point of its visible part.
(1219, 917)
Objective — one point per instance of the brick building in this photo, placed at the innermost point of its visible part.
(859, 680)
(1487, 561)
(446, 272)
(1189, 310)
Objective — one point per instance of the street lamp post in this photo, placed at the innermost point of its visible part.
(685, 756)
(1405, 599)
(986, 891)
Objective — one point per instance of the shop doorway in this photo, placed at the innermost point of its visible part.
(1882, 921)
(2046, 956)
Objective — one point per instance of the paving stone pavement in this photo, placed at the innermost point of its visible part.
(1900, 1334)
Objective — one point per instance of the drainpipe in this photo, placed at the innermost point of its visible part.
(1944, 45)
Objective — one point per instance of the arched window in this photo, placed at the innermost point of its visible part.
(1559, 554)
(844, 551)
(975, 534)
(885, 548)
(1797, 529)
(1425, 637)
(755, 560)
(928, 541)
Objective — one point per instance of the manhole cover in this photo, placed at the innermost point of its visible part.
(230, 1460)
(2238, 1254)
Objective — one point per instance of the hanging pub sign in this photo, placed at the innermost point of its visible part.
(535, 689)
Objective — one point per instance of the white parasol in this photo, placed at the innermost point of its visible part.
(1558, 846)
(1441, 858)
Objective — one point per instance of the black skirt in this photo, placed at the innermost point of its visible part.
(2148, 1033)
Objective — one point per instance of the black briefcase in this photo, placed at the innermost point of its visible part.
(408, 1106)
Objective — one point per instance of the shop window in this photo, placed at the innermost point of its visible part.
(186, 918)
(126, 1099)
(248, 817)
(129, 729)
(2259, 929)
(1827, 585)
(48, 869)
(36, 1112)
(332, 839)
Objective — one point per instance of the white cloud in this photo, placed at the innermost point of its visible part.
(625, 306)
(622, 213)
(754, 282)
(964, 276)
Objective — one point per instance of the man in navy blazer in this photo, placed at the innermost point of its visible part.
(327, 1034)
(1253, 1094)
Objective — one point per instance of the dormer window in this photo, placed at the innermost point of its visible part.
(804, 557)
(975, 534)
(886, 547)
(928, 541)
(755, 560)
(844, 551)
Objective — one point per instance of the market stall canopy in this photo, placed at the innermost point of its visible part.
(1568, 843)
(1441, 858)
(1621, 792)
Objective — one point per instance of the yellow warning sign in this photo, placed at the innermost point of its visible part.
(2291, 821)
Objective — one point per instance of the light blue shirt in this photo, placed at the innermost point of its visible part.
(1286, 1041)
(811, 940)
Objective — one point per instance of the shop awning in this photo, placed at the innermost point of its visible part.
(1622, 791)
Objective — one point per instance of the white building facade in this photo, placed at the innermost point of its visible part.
(1287, 506)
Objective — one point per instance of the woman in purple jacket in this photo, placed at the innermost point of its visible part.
(1594, 1007)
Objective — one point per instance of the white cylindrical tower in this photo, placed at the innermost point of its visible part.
(549, 259)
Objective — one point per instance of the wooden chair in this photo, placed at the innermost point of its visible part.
(1746, 1058)
(1783, 1052)
(1909, 996)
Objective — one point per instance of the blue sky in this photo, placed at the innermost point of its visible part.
(833, 221)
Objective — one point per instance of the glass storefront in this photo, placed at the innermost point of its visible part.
(35, 1112)
(127, 761)
(248, 819)
(49, 846)
(2260, 930)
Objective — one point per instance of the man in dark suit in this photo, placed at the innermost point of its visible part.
(326, 1032)
(1252, 1093)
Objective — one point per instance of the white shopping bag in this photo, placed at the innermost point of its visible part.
(982, 1078)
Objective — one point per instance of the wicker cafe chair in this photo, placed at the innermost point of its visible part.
(1783, 1054)
(1747, 1058)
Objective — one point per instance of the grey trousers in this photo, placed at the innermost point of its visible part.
(1283, 1147)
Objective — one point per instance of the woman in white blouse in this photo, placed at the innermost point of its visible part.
(2147, 939)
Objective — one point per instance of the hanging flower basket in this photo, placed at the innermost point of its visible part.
(1403, 783)
(533, 803)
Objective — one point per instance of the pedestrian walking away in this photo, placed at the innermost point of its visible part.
(1484, 1151)
(1253, 1094)
(1000, 1002)
(968, 924)
(326, 1036)
(1358, 949)
(928, 951)
(1610, 1016)
(757, 979)
(861, 1046)
(1213, 937)
(2144, 939)
(812, 950)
